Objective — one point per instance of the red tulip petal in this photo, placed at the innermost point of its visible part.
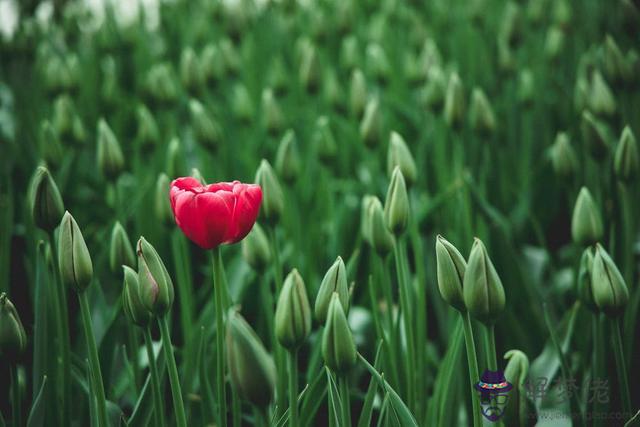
(186, 183)
(216, 215)
(246, 210)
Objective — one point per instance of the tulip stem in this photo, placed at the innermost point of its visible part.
(405, 300)
(472, 361)
(293, 388)
(174, 380)
(277, 269)
(620, 364)
(62, 322)
(218, 283)
(491, 348)
(343, 383)
(598, 357)
(155, 379)
(94, 361)
(235, 408)
(15, 395)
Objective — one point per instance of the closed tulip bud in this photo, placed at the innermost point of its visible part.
(241, 103)
(526, 87)
(380, 237)
(230, 56)
(481, 114)
(310, 69)
(433, 94)
(212, 64)
(288, 158)
(511, 24)
(148, 132)
(454, 102)
(399, 155)
(563, 157)
(554, 43)
(272, 115)
(110, 158)
(120, 252)
(365, 223)
(206, 131)
(175, 158)
(332, 90)
(601, 99)
(625, 163)
(482, 288)
(66, 122)
(377, 62)
(349, 52)
(74, 261)
(272, 195)
(251, 368)
(255, 249)
(278, 76)
(594, 134)
(610, 292)
(371, 124)
(357, 93)
(131, 302)
(430, 57)
(586, 223)
(517, 411)
(324, 141)
(191, 70)
(46, 203)
(13, 338)
(338, 348)
(161, 83)
(615, 64)
(585, 284)
(155, 285)
(561, 12)
(334, 282)
(161, 203)
(450, 272)
(50, 143)
(396, 205)
(293, 313)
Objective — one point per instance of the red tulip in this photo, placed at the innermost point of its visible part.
(215, 214)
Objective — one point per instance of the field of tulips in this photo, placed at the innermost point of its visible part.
(309, 213)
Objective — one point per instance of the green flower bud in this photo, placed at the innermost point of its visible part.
(278, 76)
(365, 223)
(601, 99)
(148, 132)
(349, 52)
(241, 103)
(610, 292)
(251, 368)
(310, 69)
(380, 237)
(585, 284)
(625, 163)
(273, 117)
(561, 12)
(511, 24)
(615, 64)
(191, 70)
(161, 203)
(377, 62)
(430, 58)
(454, 102)
(333, 91)
(175, 159)
(396, 205)
(432, 96)
(230, 56)
(161, 83)
(109, 155)
(324, 141)
(334, 281)
(399, 155)
(293, 313)
(450, 271)
(357, 93)
(481, 114)
(66, 122)
(206, 131)
(13, 338)
(272, 195)
(517, 367)
(131, 302)
(371, 124)
(563, 156)
(74, 261)
(554, 43)
(155, 285)
(288, 158)
(50, 144)
(526, 87)
(256, 250)
(586, 223)
(338, 348)
(212, 64)
(517, 411)
(46, 203)
(482, 288)
(120, 252)
(195, 173)
(594, 134)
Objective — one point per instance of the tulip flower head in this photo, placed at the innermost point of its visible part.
(334, 282)
(215, 214)
(46, 203)
(13, 339)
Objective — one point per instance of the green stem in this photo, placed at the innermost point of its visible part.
(597, 367)
(132, 354)
(491, 348)
(180, 253)
(343, 383)
(155, 379)
(174, 380)
(218, 284)
(277, 268)
(62, 321)
(15, 395)
(280, 356)
(472, 361)
(236, 413)
(293, 388)
(405, 300)
(94, 361)
(623, 380)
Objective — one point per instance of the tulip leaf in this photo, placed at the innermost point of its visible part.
(633, 421)
(143, 408)
(335, 403)
(313, 397)
(367, 407)
(205, 385)
(40, 335)
(38, 409)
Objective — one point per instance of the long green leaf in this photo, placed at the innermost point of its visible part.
(367, 407)
(38, 409)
